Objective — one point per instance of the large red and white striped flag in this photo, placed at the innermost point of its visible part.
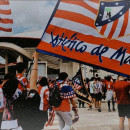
(5, 16)
(90, 31)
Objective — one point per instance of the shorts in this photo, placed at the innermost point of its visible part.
(64, 119)
(109, 95)
(98, 97)
(1, 115)
(124, 110)
(92, 95)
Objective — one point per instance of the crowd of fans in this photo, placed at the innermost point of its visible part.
(100, 89)
(111, 90)
(27, 102)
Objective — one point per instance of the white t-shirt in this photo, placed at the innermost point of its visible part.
(91, 86)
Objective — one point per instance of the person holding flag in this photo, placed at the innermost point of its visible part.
(63, 112)
(21, 69)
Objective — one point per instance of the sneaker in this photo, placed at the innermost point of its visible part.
(109, 110)
(114, 109)
(71, 128)
(99, 110)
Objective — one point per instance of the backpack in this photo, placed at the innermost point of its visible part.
(54, 96)
(26, 110)
(25, 106)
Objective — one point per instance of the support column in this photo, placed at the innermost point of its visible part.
(20, 59)
(69, 67)
(84, 71)
(6, 63)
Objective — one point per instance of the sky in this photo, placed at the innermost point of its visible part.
(2, 61)
(30, 15)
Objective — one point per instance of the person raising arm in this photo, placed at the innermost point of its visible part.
(34, 72)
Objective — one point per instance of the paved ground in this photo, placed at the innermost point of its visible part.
(94, 120)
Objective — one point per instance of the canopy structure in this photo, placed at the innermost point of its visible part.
(15, 46)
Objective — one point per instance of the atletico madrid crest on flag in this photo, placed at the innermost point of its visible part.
(78, 80)
(113, 19)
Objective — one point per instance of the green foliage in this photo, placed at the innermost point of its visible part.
(108, 9)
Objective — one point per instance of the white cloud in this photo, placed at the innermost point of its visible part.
(30, 15)
(2, 61)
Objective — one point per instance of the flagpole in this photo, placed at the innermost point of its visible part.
(84, 83)
(31, 63)
(79, 65)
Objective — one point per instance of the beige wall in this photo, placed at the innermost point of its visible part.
(101, 73)
(70, 67)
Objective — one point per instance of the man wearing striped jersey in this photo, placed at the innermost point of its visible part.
(21, 69)
(63, 112)
(98, 93)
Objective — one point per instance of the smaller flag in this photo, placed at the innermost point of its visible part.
(79, 88)
(5, 16)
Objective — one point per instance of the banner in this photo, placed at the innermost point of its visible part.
(93, 32)
(5, 16)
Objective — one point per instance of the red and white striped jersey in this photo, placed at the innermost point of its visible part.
(23, 81)
(44, 94)
(51, 85)
(18, 91)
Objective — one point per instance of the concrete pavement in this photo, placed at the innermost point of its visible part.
(94, 120)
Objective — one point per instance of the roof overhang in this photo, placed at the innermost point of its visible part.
(13, 47)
